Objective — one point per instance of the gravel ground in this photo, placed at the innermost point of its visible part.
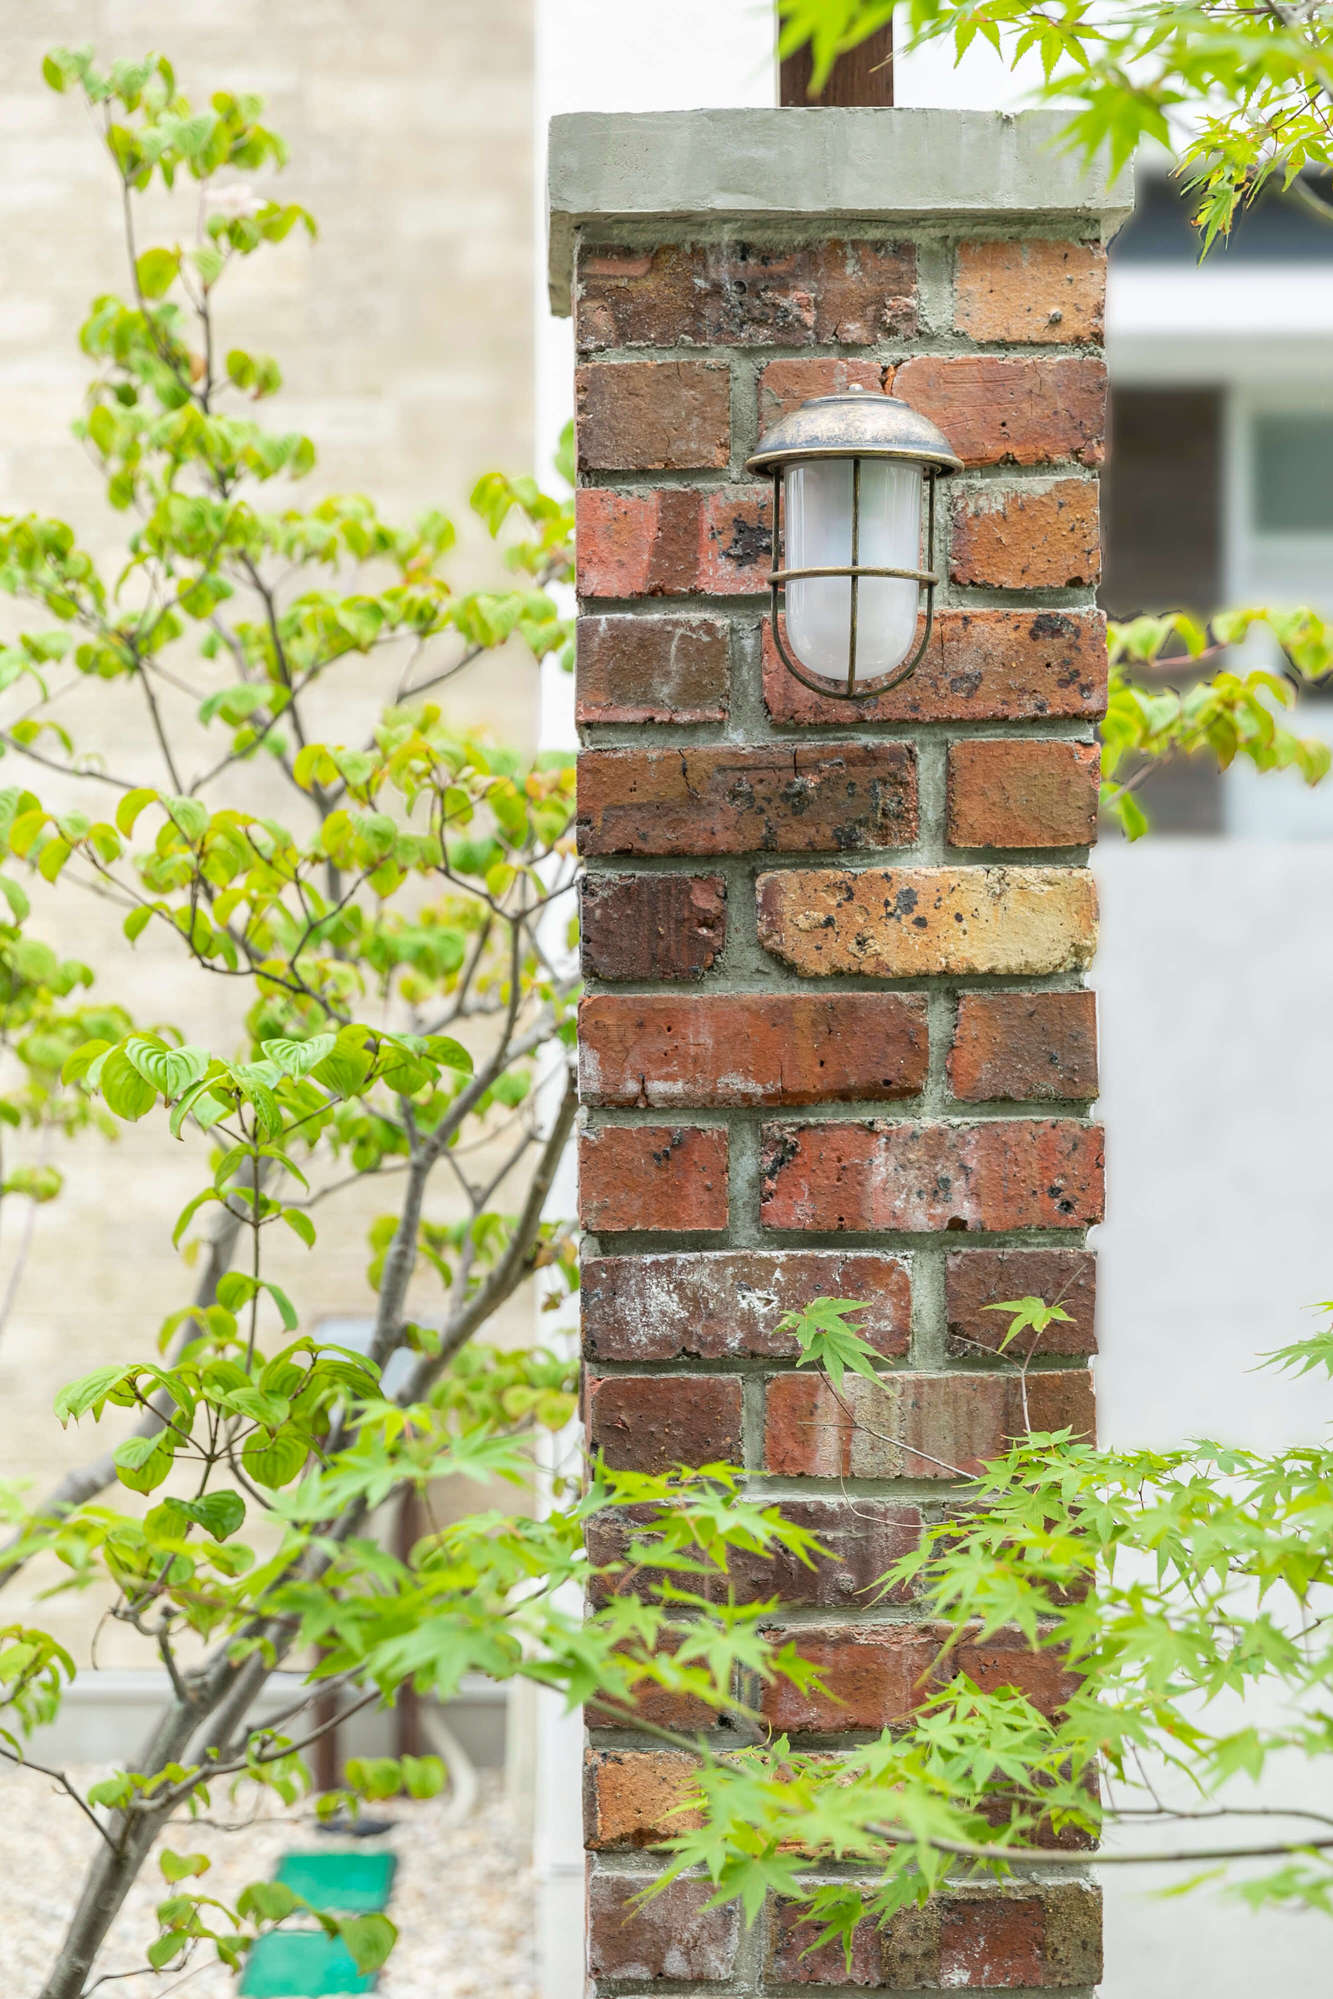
(462, 1897)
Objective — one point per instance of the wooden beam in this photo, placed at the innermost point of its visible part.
(863, 76)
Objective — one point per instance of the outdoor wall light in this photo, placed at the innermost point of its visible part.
(848, 472)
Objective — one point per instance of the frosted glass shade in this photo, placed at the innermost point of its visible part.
(817, 509)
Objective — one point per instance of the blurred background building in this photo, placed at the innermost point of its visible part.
(417, 345)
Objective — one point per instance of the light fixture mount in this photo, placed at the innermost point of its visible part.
(848, 472)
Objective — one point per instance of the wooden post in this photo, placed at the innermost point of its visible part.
(863, 76)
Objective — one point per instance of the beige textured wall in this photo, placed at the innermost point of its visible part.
(405, 338)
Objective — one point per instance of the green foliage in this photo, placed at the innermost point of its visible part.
(1166, 1613)
(378, 898)
(1228, 716)
(1249, 86)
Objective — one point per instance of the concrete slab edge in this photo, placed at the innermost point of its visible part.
(631, 172)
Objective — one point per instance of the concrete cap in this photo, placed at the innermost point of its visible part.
(633, 172)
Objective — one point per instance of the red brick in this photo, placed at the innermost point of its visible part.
(736, 548)
(744, 294)
(1006, 1659)
(901, 1426)
(692, 295)
(980, 666)
(651, 926)
(864, 292)
(1062, 1399)
(1013, 792)
(993, 1943)
(1045, 1938)
(652, 416)
(711, 1304)
(675, 1935)
(1007, 411)
(652, 1177)
(632, 1797)
(637, 544)
(1026, 537)
(1022, 1173)
(978, 1278)
(1025, 1047)
(927, 1426)
(859, 1539)
(1034, 290)
(650, 1422)
(669, 1051)
(785, 385)
(876, 1675)
(673, 541)
(649, 1702)
(718, 798)
(651, 670)
(978, 1937)
(902, 1955)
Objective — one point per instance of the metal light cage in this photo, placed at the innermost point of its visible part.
(856, 425)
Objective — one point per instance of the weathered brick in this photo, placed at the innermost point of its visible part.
(1062, 1399)
(670, 1051)
(1016, 1173)
(924, 1426)
(1026, 537)
(691, 295)
(672, 541)
(859, 1539)
(718, 798)
(978, 1278)
(1012, 791)
(652, 1177)
(1028, 1047)
(980, 666)
(984, 1938)
(650, 1422)
(785, 385)
(910, 922)
(1010, 411)
(653, 416)
(710, 1304)
(675, 1935)
(736, 549)
(637, 544)
(937, 1426)
(903, 1955)
(648, 1701)
(864, 292)
(651, 670)
(651, 926)
(744, 294)
(1008, 1659)
(1033, 289)
(632, 1797)
(876, 1675)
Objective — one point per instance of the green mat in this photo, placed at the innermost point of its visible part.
(302, 1964)
(345, 1883)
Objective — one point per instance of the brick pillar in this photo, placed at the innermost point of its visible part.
(835, 1039)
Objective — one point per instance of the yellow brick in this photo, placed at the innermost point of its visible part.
(901, 923)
